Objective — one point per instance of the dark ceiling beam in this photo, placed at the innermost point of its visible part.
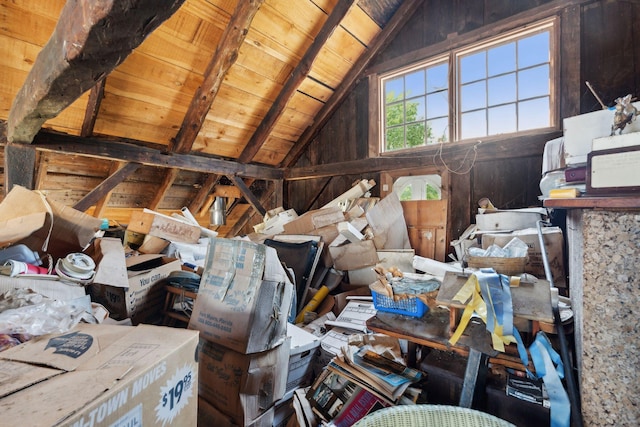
(93, 106)
(224, 57)
(404, 12)
(169, 177)
(451, 156)
(246, 192)
(113, 150)
(101, 205)
(293, 82)
(91, 38)
(19, 166)
(106, 186)
(200, 198)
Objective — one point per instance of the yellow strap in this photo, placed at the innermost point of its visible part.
(471, 290)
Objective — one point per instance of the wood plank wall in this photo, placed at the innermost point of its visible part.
(598, 43)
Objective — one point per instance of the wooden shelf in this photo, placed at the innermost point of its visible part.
(622, 202)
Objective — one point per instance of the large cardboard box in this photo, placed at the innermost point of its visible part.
(244, 297)
(102, 375)
(138, 295)
(209, 415)
(44, 225)
(242, 386)
(554, 245)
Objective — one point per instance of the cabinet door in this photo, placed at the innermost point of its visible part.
(426, 225)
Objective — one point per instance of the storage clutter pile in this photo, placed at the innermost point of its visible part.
(262, 318)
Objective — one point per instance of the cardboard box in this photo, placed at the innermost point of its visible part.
(244, 297)
(102, 375)
(166, 227)
(312, 220)
(44, 225)
(303, 351)
(209, 415)
(242, 386)
(141, 296)
(400, 258)
(354, 256)
(554, 244)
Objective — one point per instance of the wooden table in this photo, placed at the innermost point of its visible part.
(531, 302)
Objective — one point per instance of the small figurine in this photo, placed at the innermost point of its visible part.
(625, 114)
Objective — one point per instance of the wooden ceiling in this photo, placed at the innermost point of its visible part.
(115, 105)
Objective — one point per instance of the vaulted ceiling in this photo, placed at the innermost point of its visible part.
(121, 104)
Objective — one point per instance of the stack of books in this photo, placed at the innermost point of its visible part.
(359, 381)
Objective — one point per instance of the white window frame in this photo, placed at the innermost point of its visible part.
(452, 57)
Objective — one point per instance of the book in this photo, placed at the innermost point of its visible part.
(385, 375)
(341, 402)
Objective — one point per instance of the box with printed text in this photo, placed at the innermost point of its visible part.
(102, 375)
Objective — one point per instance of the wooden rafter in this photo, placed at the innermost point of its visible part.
(224, 57)
(206, 188)
(111, 150)
(101, 205)
(297, 76)
(91, 38)
(406, 9)
(169, 177)
(106, 186)
(251, 198)
(250, 213)
(93, 106)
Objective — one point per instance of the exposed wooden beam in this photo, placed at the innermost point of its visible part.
(455, 155)
(251, 198)
(229, 191)
(224, 57)
(297, 76)
(406, 9)
(106, 186)
(19, 166)
(93, 106)
(91, 38)
(100, 148)
(169, 177)
(101, 205)
(198, 201)
(250, 213)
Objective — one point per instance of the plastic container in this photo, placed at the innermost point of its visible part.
(21, 253)
(409, 306)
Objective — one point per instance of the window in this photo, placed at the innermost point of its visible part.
(499, 86)
(421, 187)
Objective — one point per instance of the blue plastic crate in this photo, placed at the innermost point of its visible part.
(411, 306)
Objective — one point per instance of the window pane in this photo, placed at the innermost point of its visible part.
(533, 50)
(502, 89)
(395, 114)
(473, 67)
(502, 119)
(414, 83)
(393, 90)
(438, 104)
(415, 134)
(437, 130)
(533, 114)
(533, 82)
(473, 124)
(437, 78)
(502, 59)
(395, 138)
(415, 109)
(473, 96)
